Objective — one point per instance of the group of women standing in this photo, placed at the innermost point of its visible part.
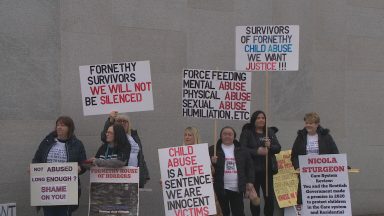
(241, 165)
(121, 147)
(238, 165)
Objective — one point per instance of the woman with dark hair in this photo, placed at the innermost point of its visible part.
(253, 138)
(233, 171)
(61, 146)
(136, 158)
(115, 151)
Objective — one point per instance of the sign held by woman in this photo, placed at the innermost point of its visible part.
(124, 87)
(187, 180)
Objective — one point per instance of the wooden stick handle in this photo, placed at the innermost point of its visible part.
(266, 131)
(349, 171)
(215, 138)
(266, 175)
(215, 134)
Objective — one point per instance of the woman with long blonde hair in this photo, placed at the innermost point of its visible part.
(192, 137)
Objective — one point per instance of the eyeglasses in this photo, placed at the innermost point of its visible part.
(121, 121)
(109, 132)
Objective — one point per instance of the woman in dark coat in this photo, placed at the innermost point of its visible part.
(233, 171)
(115, 152)
(61, 146)
(253, 139)
(136, 152)
(314, 140)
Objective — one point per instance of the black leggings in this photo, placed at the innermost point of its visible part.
(231, 201)
(57, 211)
(269, 201)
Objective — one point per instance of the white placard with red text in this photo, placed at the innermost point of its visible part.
(267, 48)
(122, 87)
(216, 94)
(325, 185)
(187, 180)
(54, 184)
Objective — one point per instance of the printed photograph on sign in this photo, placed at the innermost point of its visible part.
(123, 87)
(267, 48)
(114, 199)
(114, 191)
(216, 94)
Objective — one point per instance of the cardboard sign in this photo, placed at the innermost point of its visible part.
(285, 182)
(216, 94)
(187, 180)
(325, 185)
(267, 48)
(54, 184)
(123, 87)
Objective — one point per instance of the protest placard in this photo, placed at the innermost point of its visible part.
(8, 209)
(114, 191)
(122, 87)
(216, 94)
(285, 182)
(325, 185)
(187, 180)
(267, 48)
(54, 184)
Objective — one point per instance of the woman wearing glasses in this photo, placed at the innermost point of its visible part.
(115, 151)
(136, 157)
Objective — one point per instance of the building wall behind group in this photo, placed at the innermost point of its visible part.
(43, 43)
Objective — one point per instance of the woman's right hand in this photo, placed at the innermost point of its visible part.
(113, 115)
(91, 161)
(214, 159)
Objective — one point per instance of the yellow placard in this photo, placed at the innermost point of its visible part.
(285, 181)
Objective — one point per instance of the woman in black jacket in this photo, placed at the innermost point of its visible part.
(233, 170)
(136, 152)
(314, 140)
(253, 139)
(115, 152)
(61, 146)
